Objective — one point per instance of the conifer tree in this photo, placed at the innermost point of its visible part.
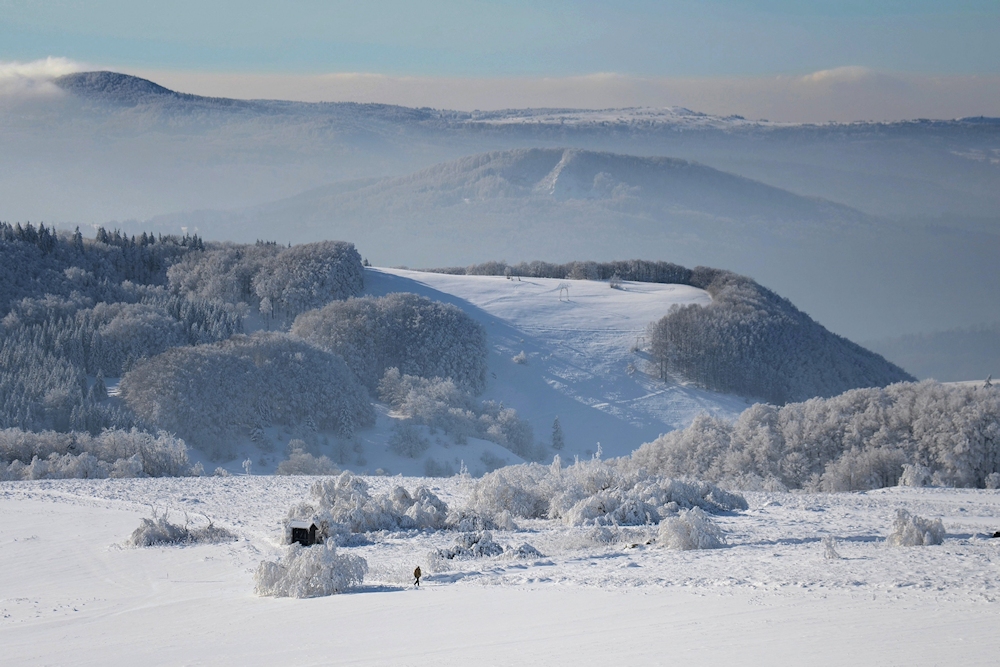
(558, 442)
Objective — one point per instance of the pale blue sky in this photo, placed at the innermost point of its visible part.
(468, 38)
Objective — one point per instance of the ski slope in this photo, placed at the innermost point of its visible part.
(71, 594)
(579, 338)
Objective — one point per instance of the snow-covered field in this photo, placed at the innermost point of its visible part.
(70, 593)
(580, 364)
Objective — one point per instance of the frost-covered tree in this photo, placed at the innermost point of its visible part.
(279, 282)
(441, 404)
(861, 439)
(214, 394)
(418, 336)
(751, 342)
(558, 441)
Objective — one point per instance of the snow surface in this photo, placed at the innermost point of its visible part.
(70, 593)
(579, 353)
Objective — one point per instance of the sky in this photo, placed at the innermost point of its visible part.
(784, 59)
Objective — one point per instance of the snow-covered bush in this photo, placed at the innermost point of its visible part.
(525, 552)
(910, 530)
(113, 453)
(159, 531)
(416, 335)
(435, 468)
(468, 521)
(918, 475)
(344, 505)
(517, 490)
(480, 544)
(691, 529)
(863, 469)
(307, 572)
(406, 440)
(830, 548)
(860, 439)
(472, 545)
(520, 358)
(300, 462)
(213, 394)
(595, 491)
(441, 404)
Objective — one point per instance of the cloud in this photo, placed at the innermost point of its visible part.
(850, 74)
(34, 78)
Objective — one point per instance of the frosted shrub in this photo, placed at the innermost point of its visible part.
(113, 453)
(406, 440)
(604, 492)
(525, 551)
(830, 548)
(993, 480)
(160, 531)
(346, 506)
(435, 468)
(517, 490)
(863, 469)
(468, 521)
(307, 572)
(300, 462)
(691, 529)
(520, 358)
(479, 545)
(472, 545)
(440, 403)
(862, 438)
(915, 475)
(910, 530)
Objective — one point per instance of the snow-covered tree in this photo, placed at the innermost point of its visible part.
(558, 441)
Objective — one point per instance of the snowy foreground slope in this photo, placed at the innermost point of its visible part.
(71, 594)
(579, 360)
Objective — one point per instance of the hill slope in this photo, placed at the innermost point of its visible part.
(577, 351)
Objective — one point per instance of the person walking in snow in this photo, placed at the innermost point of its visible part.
(416, 577)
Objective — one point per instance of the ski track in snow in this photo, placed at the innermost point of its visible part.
(71, 594)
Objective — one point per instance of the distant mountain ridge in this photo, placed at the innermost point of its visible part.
(118, 88)
(636, 184)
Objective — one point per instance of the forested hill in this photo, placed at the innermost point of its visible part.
(749, 341)
(72, 307)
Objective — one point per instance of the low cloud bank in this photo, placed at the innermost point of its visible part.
(34, 78)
